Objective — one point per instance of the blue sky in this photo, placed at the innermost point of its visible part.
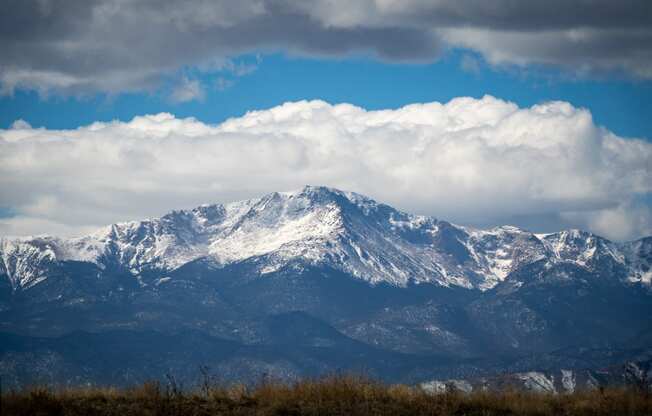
(621, 104)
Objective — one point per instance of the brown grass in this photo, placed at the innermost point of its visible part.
(330, 396)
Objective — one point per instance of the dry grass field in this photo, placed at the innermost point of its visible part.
(328, 396)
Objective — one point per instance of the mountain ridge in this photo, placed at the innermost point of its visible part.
(301, 223)
(319, 225)
(314, 281)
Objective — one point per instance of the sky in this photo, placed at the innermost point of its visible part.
(536, 114)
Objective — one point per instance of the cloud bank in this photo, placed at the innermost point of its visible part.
(472, 161)
(113, 46)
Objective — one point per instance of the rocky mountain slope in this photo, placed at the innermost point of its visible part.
(392, 286)
(323, 226)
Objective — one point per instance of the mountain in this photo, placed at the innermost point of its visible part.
(315, 276)
(634, 374)
(323, 226)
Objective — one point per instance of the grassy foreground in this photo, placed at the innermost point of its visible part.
(329, 396)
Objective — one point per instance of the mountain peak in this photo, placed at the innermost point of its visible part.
(323, 226)
(318, 193)
(313, 190)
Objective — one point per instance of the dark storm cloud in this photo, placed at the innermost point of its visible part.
(524, 15)
(77, 47)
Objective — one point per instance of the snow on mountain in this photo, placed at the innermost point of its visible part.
(537, 381)
(552, 381)
(24, 261)
(638, 255)
(323, 226)
(568, 381)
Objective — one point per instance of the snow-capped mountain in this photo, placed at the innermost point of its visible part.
(317, 280)
(558, 381)
(323, 226)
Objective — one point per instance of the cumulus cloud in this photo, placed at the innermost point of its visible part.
(479, 161)
(86, 46)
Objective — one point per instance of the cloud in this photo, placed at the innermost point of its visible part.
(620, 222)
(112, 46)
(222, 83)
(581, 51)
(478, 161)
(470, 64)
(188, 90)
(236, 70)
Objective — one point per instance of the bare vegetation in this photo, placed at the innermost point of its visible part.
(330, 396)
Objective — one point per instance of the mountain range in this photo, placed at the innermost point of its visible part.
(314, 281)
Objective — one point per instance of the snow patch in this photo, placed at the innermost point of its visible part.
(568, 380)
(537, 381)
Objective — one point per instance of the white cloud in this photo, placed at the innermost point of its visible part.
(470, 64)
(222, 83)
(188, 90)
(468, 161)
(20, 124)
(619, 222)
